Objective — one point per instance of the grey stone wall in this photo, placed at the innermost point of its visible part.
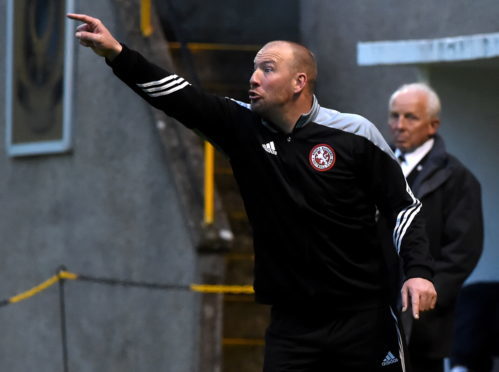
(108, 208)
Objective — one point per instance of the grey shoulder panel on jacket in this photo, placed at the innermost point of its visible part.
(354, 124)
(240, 103)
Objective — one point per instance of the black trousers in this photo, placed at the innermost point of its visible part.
(322, 340)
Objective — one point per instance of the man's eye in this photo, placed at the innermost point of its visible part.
(268, 69)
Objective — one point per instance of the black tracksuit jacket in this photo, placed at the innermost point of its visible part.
(311, 196)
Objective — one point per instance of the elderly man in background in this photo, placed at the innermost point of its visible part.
(452, 208)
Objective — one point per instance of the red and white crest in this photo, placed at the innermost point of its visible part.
(322, 157)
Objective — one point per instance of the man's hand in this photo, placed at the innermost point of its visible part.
(421, 293)
(93, 34)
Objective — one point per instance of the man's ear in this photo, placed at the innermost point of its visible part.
(434, 124)
(301, 80)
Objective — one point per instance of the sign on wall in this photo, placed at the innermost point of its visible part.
(39, 77)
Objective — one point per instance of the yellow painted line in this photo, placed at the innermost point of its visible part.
(243, 342)
(215, 46)
(212, 288)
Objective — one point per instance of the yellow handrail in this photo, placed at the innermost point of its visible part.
(209, 183)
(145, 18)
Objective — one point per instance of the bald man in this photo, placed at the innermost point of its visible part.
(311, 179)
(452, 209)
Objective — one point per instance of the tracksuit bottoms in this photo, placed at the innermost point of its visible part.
(301, 339)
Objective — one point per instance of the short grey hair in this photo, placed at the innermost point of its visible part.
(432, 99)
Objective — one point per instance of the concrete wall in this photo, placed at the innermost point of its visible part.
(470, 122)
(333, 28)
(108, 208)
(228, 21)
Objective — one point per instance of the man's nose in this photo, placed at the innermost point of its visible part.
(398, 123)
(254, 79)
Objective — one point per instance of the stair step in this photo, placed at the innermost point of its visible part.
(245, 320)
(238, 298)
(237, 358)
(243, 342)
(239, 271)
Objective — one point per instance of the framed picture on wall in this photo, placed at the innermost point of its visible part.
(38, 77)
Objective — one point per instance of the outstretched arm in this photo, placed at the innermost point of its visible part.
(210, 115)
(93, 34)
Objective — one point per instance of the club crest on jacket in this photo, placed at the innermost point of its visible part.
(322, 157)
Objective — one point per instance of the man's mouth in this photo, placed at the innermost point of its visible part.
(253, 96)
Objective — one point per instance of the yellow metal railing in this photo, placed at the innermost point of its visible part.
(209, 183)
(209, 152)
(145, 18)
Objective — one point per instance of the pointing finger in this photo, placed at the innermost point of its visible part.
(84, 18)
(415, 305)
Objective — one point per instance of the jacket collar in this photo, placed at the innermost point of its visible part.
(303, 120)
(309, 116)
(434, 171)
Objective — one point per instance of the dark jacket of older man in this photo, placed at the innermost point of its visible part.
(452, 209)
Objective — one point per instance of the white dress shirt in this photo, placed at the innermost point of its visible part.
(408, 160)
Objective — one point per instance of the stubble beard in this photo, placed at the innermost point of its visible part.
(259, 108)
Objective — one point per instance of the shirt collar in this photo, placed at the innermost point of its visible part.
(411, 159)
